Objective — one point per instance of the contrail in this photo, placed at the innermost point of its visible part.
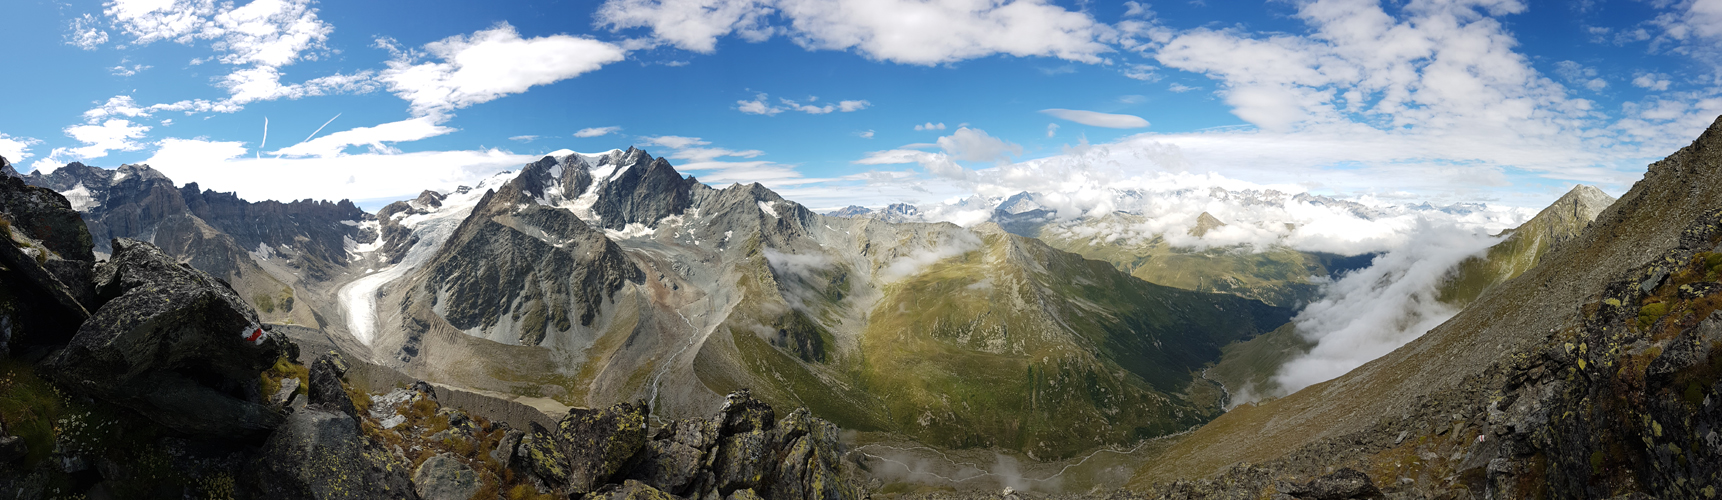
(261, 146)
(320, 129)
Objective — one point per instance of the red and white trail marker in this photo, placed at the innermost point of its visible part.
(252, 334)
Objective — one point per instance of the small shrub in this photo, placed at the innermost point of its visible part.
(1648, 314)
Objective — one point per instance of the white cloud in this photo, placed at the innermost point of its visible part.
(114, 134)
(122, 70)
(673, 141)
(892, 157)
(1141, 72)
(698, 155)
(489, 64)
(1651, 81)
(597, 131)
(931, 126)
(969, 144)
(82, 33)
(865, 135)
(1373, 311)
(761, 105)
(524, 138)
(1097, 119)
(1051, 130)
(16, 149)
(901, 31)
(1181, 88)
(228, 166)
(1581, 75)
(376, 137)
(258, 38)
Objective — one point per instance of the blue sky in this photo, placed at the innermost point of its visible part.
(869, 102)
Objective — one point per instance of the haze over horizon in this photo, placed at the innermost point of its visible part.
(868, 103)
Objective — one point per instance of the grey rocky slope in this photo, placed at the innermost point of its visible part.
(1590, 375)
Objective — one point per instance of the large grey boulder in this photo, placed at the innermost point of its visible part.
(174, 344)
(320, 454)
(444, 477)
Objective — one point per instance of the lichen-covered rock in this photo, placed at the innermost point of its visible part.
(599, 443)
(174, 344)
(444, 477)
(670, 466)
(630, 490)
(320, 454)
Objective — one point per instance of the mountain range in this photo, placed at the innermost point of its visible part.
(1577, 361)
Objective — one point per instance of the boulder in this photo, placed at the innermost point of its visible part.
(1343, 484)
(320, 454)
(599, 443)
(325, 390)
(45, 261)
(444, 477)
(174, 344)
(630, 490)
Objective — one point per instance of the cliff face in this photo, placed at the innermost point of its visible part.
(1592, 374)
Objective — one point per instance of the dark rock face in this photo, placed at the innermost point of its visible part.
(645, 191)
(320, 454)
(43, 215)
(539, 266)
(397, 239)
(741, 451)
(325, 391)
(172, 343)
(133, 200)
(588, 447)
(45, 264)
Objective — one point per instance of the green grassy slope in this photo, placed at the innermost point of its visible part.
(1015, 345)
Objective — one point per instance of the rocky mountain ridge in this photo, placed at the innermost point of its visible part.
(173, 387)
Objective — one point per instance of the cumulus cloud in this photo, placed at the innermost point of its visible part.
(1051, 130)
(1656, 82)
(901, 31)
(82, 32)
(597, 131)
(1580, 75)
(110, 135)
(968, 144)
(761, 105)
(16, 149)
(1374, 310)
(378, 138)
(865, 135)
(489, 64)
(930, 126)
(257, 38)
(1181, 88)
(1097, 119)
(1438, 68)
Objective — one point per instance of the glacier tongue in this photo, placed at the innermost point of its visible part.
(359, 298)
